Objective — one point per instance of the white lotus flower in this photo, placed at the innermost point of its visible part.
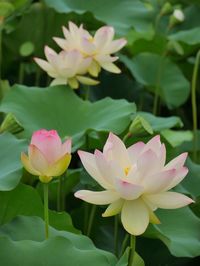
(66, 67)
(136, 181)
(100, 47)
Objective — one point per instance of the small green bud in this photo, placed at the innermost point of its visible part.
(140, 127)
(10, 124)
(166, 9)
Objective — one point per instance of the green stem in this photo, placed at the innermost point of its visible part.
(21, 73)
(124, 244)
(127, 136)
(87, 93)
(86, 214)
(116, 235)
(37, 77)
(1, 29)
(194, 104)
(46, 210)
(132, 250)
(59, 194)
(159, 75)
(91, 219)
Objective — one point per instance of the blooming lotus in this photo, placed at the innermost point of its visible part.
(136, 181)
(47, 156)
(66, 67)
(100, 47)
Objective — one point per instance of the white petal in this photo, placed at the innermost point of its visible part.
(87, 46)
(38, 160)
(159, 181)
(111, 67)
(94, 69)
(103, 36)
(97, 197)
(128, 190)
(177, 162)
(89, 162)
(65, 32)
(49, 52)
(135, 150)
(73, 83)
(169, 200)
(153, 144)
(135, 217)
(87, 81)
(104, 167)
(180, 174)
(84, 65)
(115, 150)
(114, 208)
(44, 65)
(115, 46)
(58, 81)
(66, 147)
(61, 42)
(147, 163)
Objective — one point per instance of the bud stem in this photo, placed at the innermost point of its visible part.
(91, 219)
(46, 210)
(132, 250)
(194, 104)
(116, 235)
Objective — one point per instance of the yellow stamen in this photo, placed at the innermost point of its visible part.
(126, 170)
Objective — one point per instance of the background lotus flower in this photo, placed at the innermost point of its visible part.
(136, 181)
(100, 47)
(66, 67)
(47, 156)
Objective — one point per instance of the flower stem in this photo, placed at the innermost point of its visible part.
(59, 194)
(1, 29)
(87, 93)
(116, 236)
(21, 73)
(91, 219)
(46, 210)
(132, 250)
(194, 104)
(124, 244)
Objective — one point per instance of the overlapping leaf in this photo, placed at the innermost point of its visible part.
(25, 237)
(61, 109)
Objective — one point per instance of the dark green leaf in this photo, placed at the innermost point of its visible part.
(25, 237)
(24, 200)
(10, 164)
(159, 73)
(61, 109)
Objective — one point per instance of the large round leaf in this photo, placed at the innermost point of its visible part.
(155, 71)
(61, 109)
(10, 164)
(24, 200)
(179, 230)
(191, 36)
(121, 14)
(24, 236)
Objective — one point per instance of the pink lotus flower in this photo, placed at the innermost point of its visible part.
(66, 67)
(136, 181)
(100, 47)
(47, 156)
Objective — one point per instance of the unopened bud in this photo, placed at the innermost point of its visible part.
(176, 18)
(10, 124)
(166, 9)
(140, 127)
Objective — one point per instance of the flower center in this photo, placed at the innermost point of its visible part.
(91, 39)
(126, 170)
